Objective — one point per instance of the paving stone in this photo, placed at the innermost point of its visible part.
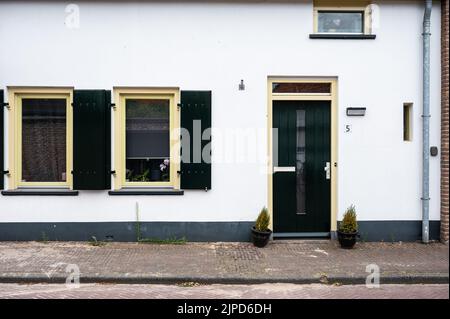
(263, 291)
(282, 261)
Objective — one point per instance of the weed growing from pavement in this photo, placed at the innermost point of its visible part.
(44, 238)
(324, 279)
(392, 238)
(188, 284)
(169, 241)
(364, 237)
(95, 242)
(138, 228)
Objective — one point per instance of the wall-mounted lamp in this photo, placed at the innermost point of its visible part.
(434, 151)
(241, 86)
(356, 111)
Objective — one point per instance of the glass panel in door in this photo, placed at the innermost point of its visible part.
(300, 161)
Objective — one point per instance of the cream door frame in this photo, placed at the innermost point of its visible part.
(333, 98)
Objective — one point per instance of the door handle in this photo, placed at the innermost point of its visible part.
(327, 170)
(277, 169)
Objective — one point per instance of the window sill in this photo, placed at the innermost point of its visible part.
(137, 192)
(343, 36)
(40, 192)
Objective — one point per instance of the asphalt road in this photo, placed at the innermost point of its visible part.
(196, 291)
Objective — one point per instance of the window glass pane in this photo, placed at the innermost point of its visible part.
(300, 162)
(44, 140)
(301, 87)
(341, 22)
(147, 140)
(407, 122)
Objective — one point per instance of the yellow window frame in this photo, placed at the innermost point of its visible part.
(408, 121)
(15, 133)
(120, 97)
(349, 5)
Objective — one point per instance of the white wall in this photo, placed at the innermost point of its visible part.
(213, 46)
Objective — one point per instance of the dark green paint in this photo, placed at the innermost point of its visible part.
(387, 230)
(196, 171)
(318, 152)
(126, 231)
(91, 140)
(284, 203)
(2, 136)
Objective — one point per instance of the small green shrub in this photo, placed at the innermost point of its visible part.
(44, 238)
(263, 220)
(349, 223)
(168, 241)
(95, 242)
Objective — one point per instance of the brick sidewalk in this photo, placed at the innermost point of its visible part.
(262, 291)
(239, 263)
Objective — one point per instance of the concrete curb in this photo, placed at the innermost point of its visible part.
(148, 279)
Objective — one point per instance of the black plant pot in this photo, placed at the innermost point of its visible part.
(155, 175)
(260, 238)
(347, 240)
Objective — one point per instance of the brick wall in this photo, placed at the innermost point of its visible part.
(444, 125)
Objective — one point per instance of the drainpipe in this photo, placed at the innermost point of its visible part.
(426, 124)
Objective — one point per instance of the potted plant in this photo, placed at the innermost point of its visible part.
(155, 175)
(261, 232)
(348, 229)
(164, 167)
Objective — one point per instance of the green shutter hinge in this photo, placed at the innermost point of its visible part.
(6, 105)
(5, 172)
(112, 172)
(179, 172)
(179, 105)
(113, 105)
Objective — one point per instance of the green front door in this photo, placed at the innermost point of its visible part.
(301, 172)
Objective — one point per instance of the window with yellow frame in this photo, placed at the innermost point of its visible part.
(40, 137)
(146, 138)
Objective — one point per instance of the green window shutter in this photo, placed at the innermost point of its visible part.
(2, 135)
(91, 139)
(195, 119)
